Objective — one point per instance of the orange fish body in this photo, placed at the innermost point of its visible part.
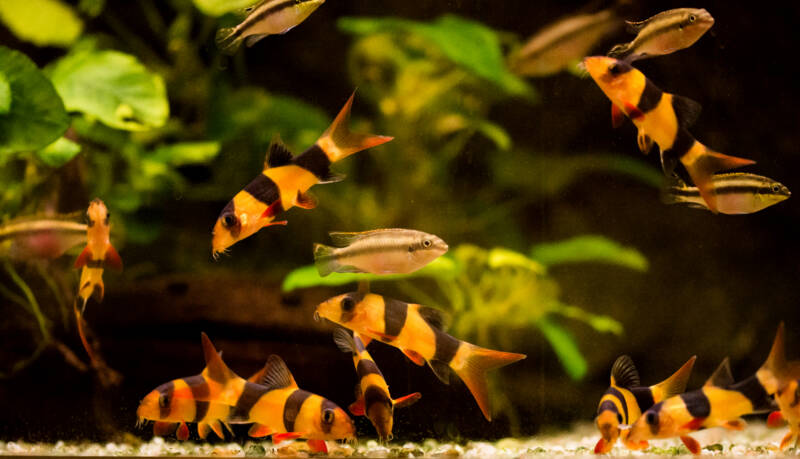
(781, 379)
(97, 254)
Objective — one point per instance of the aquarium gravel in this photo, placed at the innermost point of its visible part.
(756, 440)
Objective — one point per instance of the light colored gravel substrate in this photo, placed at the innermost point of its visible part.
(755, 440)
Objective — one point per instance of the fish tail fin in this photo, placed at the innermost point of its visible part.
(670, 192)
(619, 51)
(771, 373)
(676, 384)
(324, 259)
(473, 371)
(228, 41)
(80, 322)
(701, 165)
(338, 142)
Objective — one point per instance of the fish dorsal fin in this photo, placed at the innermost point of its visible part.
(722, 376)
(343, 239)
(258, 376)
(242, 13)
(624, 373)
(277, 374)
(278, 154)
(686, 110)
(675, 384)
(215, 367)
(635, 26)
(434, 317)
(344, 340)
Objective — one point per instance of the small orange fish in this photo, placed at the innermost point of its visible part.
(782, 380)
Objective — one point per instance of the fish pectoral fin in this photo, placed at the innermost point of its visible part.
(788, 439)
(775, 419)
(259, 430)
(217, 428)
(617, 117)
(357, 408)
(273, 209)
(414, 356)
(202, 430)
(317, 446)
(279, 437)
(407, 400)
(736, 424)
(691, 444)
(113, 259)
(386, 338)
(83, 258)
(644, 141)
(183, 432)
(272, 223)
(306, 200)
(633, 111)
(694, 424)
(602, 446)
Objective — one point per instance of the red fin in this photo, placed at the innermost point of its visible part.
(632, 111)
(162, 429)
(381, 336)
(477, 362)
(279, 437)
(704, 166)
(259, 430)
(113, 260)
(282, 222)
(83, 258)
(694, 424)
(306, 200)
(736, 424)
(357, 408)
(338, 142)
(408, 400)
(775, 419)
(414, 356)
(183, 432)
(317, 446)
(617, 118)
(787, 440)
(691, 444)
(273, 209)
(601, 446)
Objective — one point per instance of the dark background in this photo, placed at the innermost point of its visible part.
(717, 285)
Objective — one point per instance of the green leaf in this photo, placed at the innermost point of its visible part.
(308, 276)
(469, 44)
(5, 95)
(589, 248)
(91, 8)
(41, 22)
(565, 348)
(500, 257)
(59, 152)
(599, 322)
(36, 115)
(220, 7)
(181, 154)
(113, 87)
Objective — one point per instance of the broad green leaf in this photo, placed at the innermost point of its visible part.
(41, 22)
(5, 95)
(589, 248)
(469, 44)
(565, 348)
(59, 152)
(113, 87)
(500, 257)
(308, 276)
(36, 117)
(220, 7)
(180, 154)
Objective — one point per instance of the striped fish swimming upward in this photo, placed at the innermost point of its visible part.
(374, 399)
(719, 403)
(285, 181)
(664, 33)
(626, 399)
(417, 331)
(735, 193)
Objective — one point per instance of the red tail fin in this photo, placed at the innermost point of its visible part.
(338, 142)
(473, 372)
(702, 163)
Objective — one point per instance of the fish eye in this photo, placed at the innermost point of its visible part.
(328, 416)
(692, 18)
(427, 243)
(228, 220)
(651, 418)
(619, 418)
(348, 304)
(776, 188)
(163, 401)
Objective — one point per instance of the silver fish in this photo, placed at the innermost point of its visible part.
(382, 251)
(562, 43)
(269, 17)
(736, 193)
(39, 238)
(664, 33)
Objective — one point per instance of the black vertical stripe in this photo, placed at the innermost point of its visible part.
(200, 410)
(650, 97)
(264, 189)
(446, 346)
(367, 367)
(292, 408)
(754, 392)
(619, 396)
(199, 386)
(683, 143)
(644, 397)
(395, 313)
(325, 406)
(165, 397)
(315, 161)
(651, 417)
(374, 395)
(697, 403)
(607, 405)
(249, 396)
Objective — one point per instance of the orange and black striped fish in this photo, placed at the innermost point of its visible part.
(207, 399)
(286, 412)
(285, 181)
(662, 118)
(781, 378)
(719, 403)
(374, 399)
(624, 401)
(417, 331)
